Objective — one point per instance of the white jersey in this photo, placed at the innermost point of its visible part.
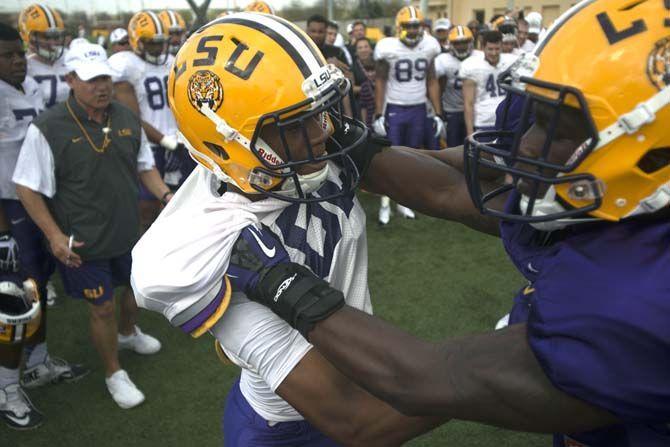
(51, 78)
(489, 93)
(327, 237)
(150, 84)
(408, 68)
(447, 65)
(17, 110)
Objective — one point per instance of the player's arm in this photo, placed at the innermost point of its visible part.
(381, 78)
(494, 378)
(344, 411)
(125, 94)
(433, 88)
(469, 94)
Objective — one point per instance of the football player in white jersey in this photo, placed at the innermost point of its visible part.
(405, 77)
(268, 185)
(142, 86)
(43, 32)
(175, 25)
(447, 69)
(20, 101)
(481, 92)
(509, 30)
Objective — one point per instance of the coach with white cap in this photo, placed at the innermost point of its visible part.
(77, 176)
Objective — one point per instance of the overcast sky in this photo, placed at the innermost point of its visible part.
(112, 6)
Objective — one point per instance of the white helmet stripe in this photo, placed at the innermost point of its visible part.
(50, 16)
(157, 22)
(173, 19)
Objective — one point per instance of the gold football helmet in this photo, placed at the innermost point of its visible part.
(20, 312)
(43, 31)
(148, 37)
(461, 42)
(225, 92)
(260, 6)
(618, 87)
(408, 25)
(175, 25)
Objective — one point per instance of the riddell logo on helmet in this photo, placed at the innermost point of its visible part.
(269, 157)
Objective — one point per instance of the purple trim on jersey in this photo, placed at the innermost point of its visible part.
(406, 124)
(197, 321)
(243, 427)
(597, 312)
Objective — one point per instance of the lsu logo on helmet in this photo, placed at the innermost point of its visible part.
(204, 88)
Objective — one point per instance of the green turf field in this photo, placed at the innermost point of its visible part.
(434, 279)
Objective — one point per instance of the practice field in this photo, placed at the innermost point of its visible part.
(434, 279)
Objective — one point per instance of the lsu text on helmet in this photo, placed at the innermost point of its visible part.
(42, 30)
(408, 25)
(245, 75)
(620, 166)
(148, 37)
(461, 42)
(260, 6)
(175, 25)
(20, 312)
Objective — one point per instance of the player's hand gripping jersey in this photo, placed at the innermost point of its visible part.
(408, 68)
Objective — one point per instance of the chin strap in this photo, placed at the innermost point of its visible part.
(629, 123)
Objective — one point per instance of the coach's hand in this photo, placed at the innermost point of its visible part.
(261, 268)
(63, 247)
(9, 253)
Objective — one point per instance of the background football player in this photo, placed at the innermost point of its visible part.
(405, 77)
(22, 245)
(142, 86)
(261, 136)
(175, 25)
(585, 211)
(481, 91)
(43, 33)
(447, 69)
(509, 30)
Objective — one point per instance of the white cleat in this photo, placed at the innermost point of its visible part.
(17, 410)
(139, 342)
(51, 294)
(405, 212)
(123, 390)
(384, 215)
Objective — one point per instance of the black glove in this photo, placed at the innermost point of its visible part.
(365, 144)
(9, 253)
(260, 267)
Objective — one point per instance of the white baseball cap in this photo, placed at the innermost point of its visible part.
(89, 61)
(442, 24)
(534, 20)
(117, 35)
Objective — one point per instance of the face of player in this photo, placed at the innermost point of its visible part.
(317, 32)
(43, 43)
(12, 62)
(412, 30)
(508, 47)
(492, 52)
(522, 33)
(363, 50)
(331, 35)
(295, 140)
(176, 38)
(441, 35)
(571, 131)
(93, 94)
(123, 45)
(358, 31)
(156, 50)
(461, 47)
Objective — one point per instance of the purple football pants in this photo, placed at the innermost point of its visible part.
(406, 124)
(243, 427)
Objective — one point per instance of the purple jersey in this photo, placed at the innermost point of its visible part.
(598, 313)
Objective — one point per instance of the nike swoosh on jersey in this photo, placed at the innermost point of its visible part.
(76, 139)
(17, 221)
(19, 421)
(269, 252)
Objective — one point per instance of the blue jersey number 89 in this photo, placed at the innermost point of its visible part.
(156, 92)
(405, 70)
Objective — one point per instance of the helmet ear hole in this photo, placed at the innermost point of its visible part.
(218, 150)
(654, 160)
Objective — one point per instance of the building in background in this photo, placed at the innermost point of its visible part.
(462, 11)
